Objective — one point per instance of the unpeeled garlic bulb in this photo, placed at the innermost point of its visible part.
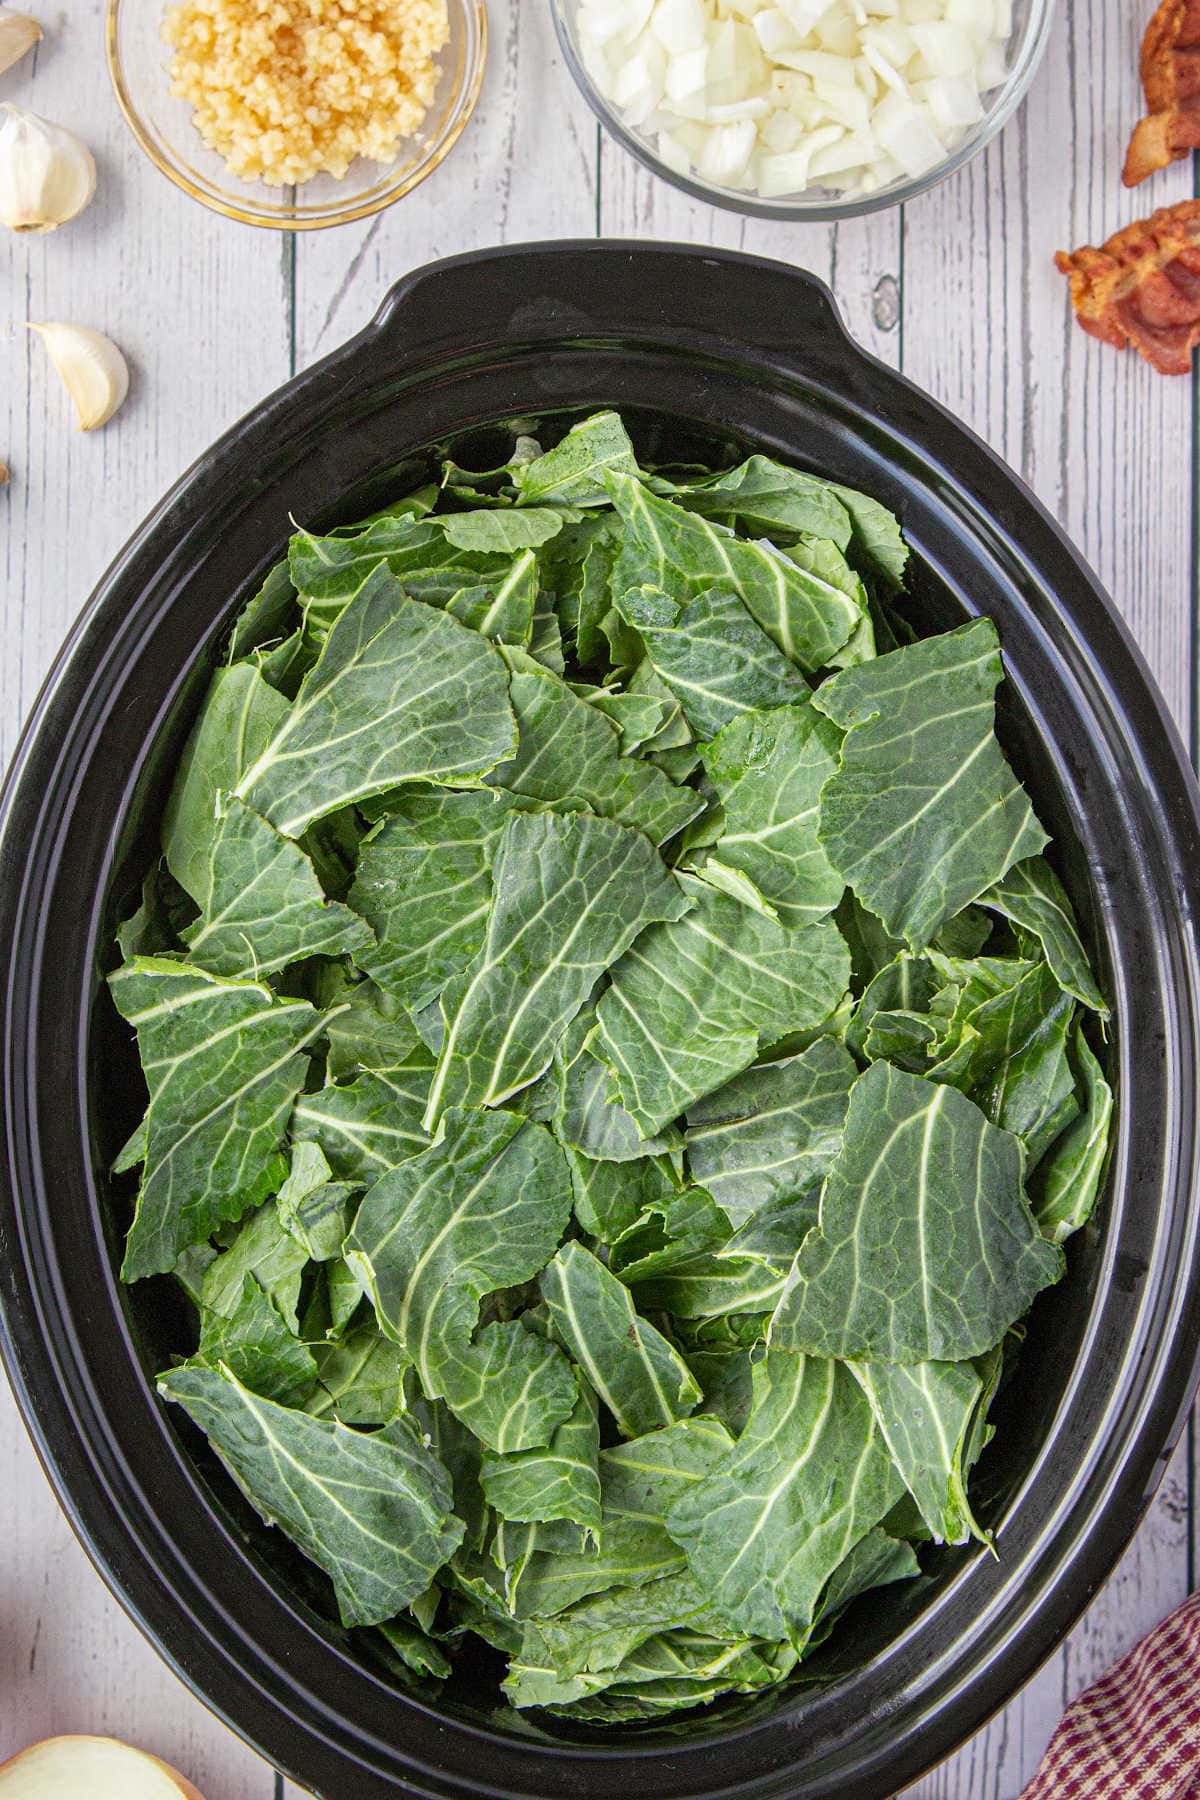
(94, 372)
(18, 33)
(46, 175)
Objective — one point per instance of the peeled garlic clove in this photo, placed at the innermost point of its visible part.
(46, 175)
(18, 33)
(94, 372)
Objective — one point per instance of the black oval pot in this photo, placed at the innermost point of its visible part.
(706, 353)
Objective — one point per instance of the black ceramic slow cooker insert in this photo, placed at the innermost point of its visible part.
(707, 355)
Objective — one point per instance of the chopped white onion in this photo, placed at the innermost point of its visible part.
(775, 31)
(782, 96)
(680, 25)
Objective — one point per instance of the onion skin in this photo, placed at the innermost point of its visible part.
(74, 1747)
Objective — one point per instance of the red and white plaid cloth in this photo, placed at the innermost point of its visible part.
(1135, 1735)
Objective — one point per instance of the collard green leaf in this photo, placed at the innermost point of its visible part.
(575, 569)
(459, 1451)
(1066, 1185)
(483, 1208)
(684, 555)
(809, 1477)
(906, 984)
(611, 1196)
(925, 1412)
(768, 768)
(541, 1581)
(504, 608)
(264, 907)
(155, 927)
(764, 498)
(261, 1247)
(573, 471)
(369, 1030)
(424, 885)
(926, 1250)
(374, 1123)
(875, 1561)
(222, 1062)
(772, 1132)
(569, 757)
(639, 1376)
(669, 1231)
(413, 1651)
(875, 537)
(572, 893)
(600, 1632)
(924, 814)
(256, 1344)
(312, 1207)
(638, 717)
(361, 1378)
(675, 733)
(329, 571)
(727, 1380)
(694, 1001)
(709, 1286)
(1032, 1092)
(711, 654)
(677, 1670)
(372, 1511)
(510, 1387)
(642, 1479)
(1033, 897)
(270, 613)
(498, 480)
(545, 638)
(589, 1117)
(240, 715)
(559, 1481)
(1002, 1007)
(399, 693)
(502, 532)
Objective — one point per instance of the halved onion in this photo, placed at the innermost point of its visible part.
(90, 1768)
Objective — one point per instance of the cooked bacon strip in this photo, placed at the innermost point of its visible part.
(1142, 287)
(1171, 77)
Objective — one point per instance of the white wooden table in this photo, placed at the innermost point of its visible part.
(958, 290)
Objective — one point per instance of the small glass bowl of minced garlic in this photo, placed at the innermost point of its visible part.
(311, 113)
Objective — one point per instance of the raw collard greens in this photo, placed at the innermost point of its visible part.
(620, 1070)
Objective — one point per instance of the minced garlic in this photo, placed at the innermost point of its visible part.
(284, 90)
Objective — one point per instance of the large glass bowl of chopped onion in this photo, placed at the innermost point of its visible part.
(299, 115)
(803, 109)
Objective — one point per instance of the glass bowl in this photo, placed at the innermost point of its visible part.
(1030, 32)
(138, 60)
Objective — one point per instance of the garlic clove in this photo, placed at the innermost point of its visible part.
(18, 33)
(94, 372)
(46, 175)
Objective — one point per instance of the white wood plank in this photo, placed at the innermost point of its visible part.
(1106, 444)
(524, 169)
(198, 305)
(70, 1660)
(1103, 440)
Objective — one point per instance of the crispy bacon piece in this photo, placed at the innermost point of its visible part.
(1142, 287)
(1171, 77)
